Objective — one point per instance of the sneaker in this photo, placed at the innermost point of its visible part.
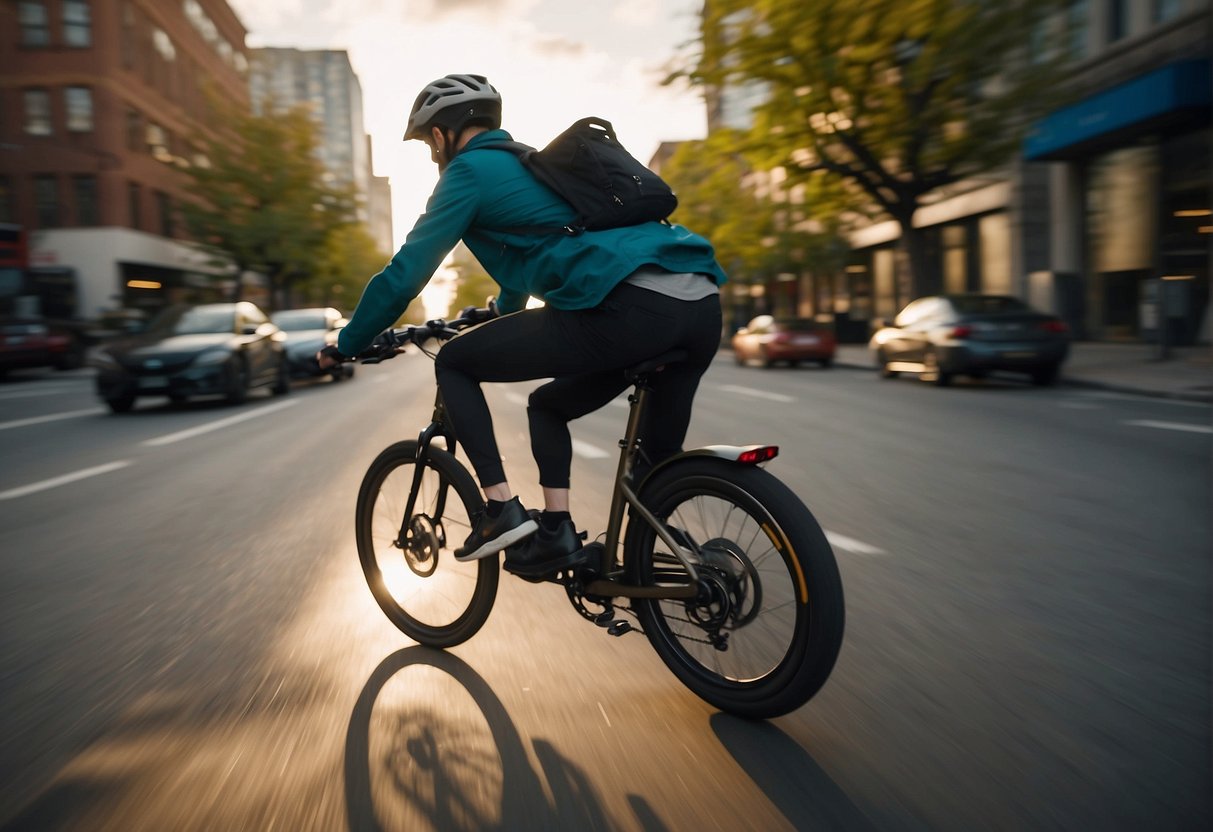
(547, 551)
(492, 534)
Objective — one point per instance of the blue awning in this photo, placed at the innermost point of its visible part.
(1180, 88)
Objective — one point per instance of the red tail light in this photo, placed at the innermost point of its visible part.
(1054, 326)
(961, 331)
(753, 456)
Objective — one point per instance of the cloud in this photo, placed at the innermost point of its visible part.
(557, 46)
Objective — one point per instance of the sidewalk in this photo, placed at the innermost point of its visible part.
(1129, 368)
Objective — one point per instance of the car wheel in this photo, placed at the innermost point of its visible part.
(767, 361)
(237, 382)
(121, 404)
(282, 384)
(1046, 376)
(178, 398)
(883, 361)
(826, 363)
(739, 358)
(73, 359)
(931, 371)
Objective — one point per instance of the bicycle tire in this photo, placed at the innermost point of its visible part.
(771, 665)
(410, 587)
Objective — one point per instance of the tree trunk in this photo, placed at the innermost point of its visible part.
(913, 277)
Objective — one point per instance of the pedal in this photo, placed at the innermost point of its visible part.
(619, 628)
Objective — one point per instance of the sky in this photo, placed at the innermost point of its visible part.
(553, 62)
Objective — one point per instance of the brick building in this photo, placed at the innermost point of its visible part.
(99, 104)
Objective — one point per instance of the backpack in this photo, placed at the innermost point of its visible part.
(588, 167)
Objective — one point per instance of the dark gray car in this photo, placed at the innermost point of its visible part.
(214, 349)
(942, 336)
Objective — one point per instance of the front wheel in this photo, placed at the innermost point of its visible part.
(762, 636)
(409, 565)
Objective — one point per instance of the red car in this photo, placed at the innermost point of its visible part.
(30, 342)
(793, 340)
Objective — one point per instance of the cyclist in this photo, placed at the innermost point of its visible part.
(613, 298)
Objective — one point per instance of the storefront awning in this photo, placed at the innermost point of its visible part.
(1180, 90)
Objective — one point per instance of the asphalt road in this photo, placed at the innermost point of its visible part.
(188, 642)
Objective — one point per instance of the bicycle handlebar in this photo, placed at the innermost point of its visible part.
(391, 342)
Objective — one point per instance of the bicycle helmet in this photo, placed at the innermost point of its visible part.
(452, 102)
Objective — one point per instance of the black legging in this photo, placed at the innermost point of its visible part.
(584, 352)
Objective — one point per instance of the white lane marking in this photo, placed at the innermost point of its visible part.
(55, 482)
(852, 545)
(25, 394)
(378, 379)
(54, 417)
(1080, 405)
(222, 423)
(588, 451)
(756, 394)
(1140, 398)
(515, 398)
(1150, 423)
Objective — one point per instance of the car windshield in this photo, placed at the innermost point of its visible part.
(299, 320)
(194, 320)
(987, 304)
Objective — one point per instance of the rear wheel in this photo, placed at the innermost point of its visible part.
(121, 404)
(932, 372)
(417, 582)
(236, 390)
(282, 382)
(762, 636)
(1046, 376)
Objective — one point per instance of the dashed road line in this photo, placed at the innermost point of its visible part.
(852, 545)
(212, 426)
(55, 482)
(1150, 423)
(588, 451)
(53, 417)
(756, 394)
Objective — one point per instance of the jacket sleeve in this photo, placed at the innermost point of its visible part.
(449, 212)
(508, 301)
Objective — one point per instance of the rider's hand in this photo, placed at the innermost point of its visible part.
(329, 357)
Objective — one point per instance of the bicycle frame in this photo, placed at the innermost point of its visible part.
(623, 496)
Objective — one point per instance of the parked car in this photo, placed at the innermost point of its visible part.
(33, 342)
(307, 331)
(218, 348)
(793, 340)
(942, 336)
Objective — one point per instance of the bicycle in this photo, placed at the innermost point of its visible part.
(725, 570)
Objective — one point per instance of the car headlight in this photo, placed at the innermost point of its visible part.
(210, 358)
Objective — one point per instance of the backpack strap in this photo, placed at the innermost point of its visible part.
(524, 152)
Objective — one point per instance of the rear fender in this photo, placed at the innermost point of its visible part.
(737, 454)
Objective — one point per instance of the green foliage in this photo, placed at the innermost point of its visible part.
(472, 283)
(758, 230)
(348, 259)
(894, 98)
(263, 203)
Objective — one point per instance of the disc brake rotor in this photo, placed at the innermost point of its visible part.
(736, 578)
(422, 545)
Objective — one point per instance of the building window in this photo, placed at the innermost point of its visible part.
(84, 189)
(157, 142)
(79, 109)
(77, 23)
(35, 29)
(46, 200)
(134, 198)
(134, 130)
(8, 212)
(37, 112)
(163, 44)
(1165, 10)
(164, 207)
(1077, 19)
(1118, 20)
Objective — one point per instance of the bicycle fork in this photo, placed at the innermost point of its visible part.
(437, 427)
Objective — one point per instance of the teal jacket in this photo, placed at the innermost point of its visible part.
(481, 190)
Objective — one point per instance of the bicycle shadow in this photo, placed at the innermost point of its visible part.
(789, 776)
(448, 786)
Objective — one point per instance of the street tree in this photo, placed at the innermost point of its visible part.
(262, 201)
(894, 98)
